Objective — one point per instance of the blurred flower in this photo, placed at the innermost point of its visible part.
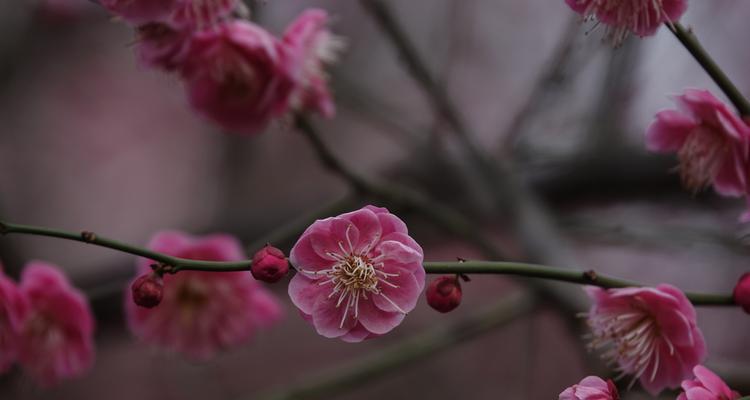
(239, 76)
(202, 312)
(640, 17)
(706, 386)
(142, 11)
(444, 293)
(651, 333)
(160, 45)
(591, 388)
(56, 328)
(711, 142)
(359, 274)
(11, 306)
(313, 46)
(148, 290)
(269, 264)
(741, 292)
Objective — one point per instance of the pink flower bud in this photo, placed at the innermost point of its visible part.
(742, 292)
(269, 264)
(148, 290)
(444, 293)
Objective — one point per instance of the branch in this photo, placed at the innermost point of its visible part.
(411, 350)
(691, 43)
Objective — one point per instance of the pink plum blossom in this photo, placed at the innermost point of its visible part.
(650, 333)
(640, 17)
(706, 386)
(12, 305)
(201, 313)
(313, 46)
(161, 45)
(711, 142)
(591, 388)
(56, 328)
(239, 76)
(358, 274)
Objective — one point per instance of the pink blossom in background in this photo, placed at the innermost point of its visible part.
(711, 142)
(591, 388)
(161, 45)
(706, 386)
(358, 274)
(12, 305)
(650, 333)
(142, 11)
(202, 312)
(239, 76)
(640, 17)
(56, 330)
(313, 46)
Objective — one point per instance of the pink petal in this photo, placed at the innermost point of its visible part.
(327, 318)
(304, 292)
(669, 131)
(376, 320)
(405, 295)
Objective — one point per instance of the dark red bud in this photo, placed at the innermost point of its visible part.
(444, 293)
(148, 290)
(269, 264)
(742, 292)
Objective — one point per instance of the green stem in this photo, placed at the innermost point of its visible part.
(176, 264)
(691, 43)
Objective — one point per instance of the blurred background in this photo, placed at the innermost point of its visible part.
(90, 140)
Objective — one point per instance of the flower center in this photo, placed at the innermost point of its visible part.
(632, 340)
(625, 16)
(700, 158)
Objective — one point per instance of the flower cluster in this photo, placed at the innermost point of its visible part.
(46, 325)
(235, 73)
(200, 313)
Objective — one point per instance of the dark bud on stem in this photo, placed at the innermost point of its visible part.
(148, 290)
(269, 265)
(742, 292)
(444, 293)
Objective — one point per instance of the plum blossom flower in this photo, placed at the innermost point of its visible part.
(706, 386)
(56, 327)
(358, 274)
(711, 142)
(11, 306)
(650, 333)
(313, 46)
(591, 388)
(239, 76)
(640, 17)
(201, 313)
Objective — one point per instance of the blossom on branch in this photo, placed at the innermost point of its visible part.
(358, 274)
(55, 328)
(706, 386)
(591, 388)
(649, 333)
(200, 312)
(639, 17)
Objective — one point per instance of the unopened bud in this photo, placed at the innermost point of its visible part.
(269, 265)
(148, 290)
(742, 292)
(444, 293)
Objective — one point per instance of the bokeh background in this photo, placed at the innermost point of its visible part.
(90, 140)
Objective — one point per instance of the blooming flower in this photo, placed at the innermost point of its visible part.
(651, 333)
(591, 388)
(313, 46)
(56, 328)
(711, 142)
(11, 306)
(202, 312)
(239, 76)
(706, 386)
(359, 274)
(640, 17)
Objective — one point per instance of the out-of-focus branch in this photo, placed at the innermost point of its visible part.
(411, 350)
(691, 43)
